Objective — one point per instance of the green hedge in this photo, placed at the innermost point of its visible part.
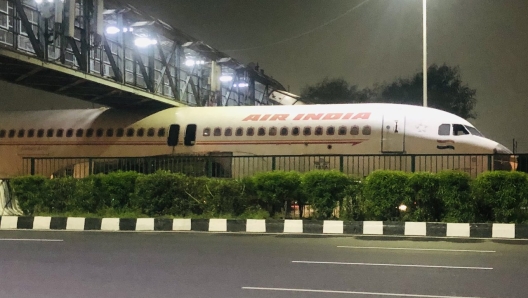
(447, 196)
(277, 189)
(324, 191)
(383, 192)
(502, 196)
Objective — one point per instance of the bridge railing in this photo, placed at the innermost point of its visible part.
(173, 68)
(228, 166)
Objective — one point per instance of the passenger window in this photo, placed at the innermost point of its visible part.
(217, 132)
(295, 131)
(31, 133)
(21, 133)
(2, 133)
(59, 133)
(330, 130)
(342, 130)
(130, 132)
(459, 130)
(89, 132)
(69, 133)
(272, 131)
(140, 132)
(284, 131)
(354, 130)
(40, 133)
(11, 133)
(319, 131)
(79, 133)
(206, 132)
(261, 131)
(151, 132)
(228, 132)
(99, 132)
(161, 132)
(49, 134)
(110, 132)
(120, 132)
(444, 129)
(366, 130)
(307, 131)
(250, 131)
(239, 132)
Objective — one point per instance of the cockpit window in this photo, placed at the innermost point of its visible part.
(474, 131)
(444, 130)
(459, 130)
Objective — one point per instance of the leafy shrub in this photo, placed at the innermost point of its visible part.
(277, 188)
(501, 196)
(454, 189)
(118, 189)
(225, 196)
(164, 193)
(351, 207)
(383, 193)
(423, 203)
(61, 195)
(30, 193)
(324, 189)
(89, 196)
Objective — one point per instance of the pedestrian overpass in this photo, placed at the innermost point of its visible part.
(114, 55)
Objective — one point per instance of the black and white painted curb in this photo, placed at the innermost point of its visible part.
(292, 226)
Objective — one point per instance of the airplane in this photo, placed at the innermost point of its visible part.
(338, 129)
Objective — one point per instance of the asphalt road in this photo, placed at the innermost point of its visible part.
(99, 264)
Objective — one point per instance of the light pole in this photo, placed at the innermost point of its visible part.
(424, 13)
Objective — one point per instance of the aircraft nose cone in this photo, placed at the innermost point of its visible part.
(501, 149)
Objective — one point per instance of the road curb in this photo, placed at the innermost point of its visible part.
(288, 226)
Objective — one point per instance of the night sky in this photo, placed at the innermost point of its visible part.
(300, 42)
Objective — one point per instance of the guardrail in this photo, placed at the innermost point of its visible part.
(228, 166)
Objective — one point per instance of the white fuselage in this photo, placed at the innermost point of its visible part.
(264, 130)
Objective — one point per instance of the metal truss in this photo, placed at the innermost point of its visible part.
(67, 47)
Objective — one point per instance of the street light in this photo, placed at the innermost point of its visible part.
(424, 13)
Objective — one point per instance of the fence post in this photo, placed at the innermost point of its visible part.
(273, 164)
(90, 167)
(341, 163)
(413, 163)
(209, 167)
(32, 162)
(490, 157)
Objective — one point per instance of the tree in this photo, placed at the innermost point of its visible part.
(330, 91)
(446, 91)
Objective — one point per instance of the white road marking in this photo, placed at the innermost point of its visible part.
(420, 249)
(33, 240)
(393, 265)
(350, 292)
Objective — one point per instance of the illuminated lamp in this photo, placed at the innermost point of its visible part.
(112, 30)
(226, 78)
(143, 42)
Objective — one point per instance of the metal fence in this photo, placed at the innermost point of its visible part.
(228, 166)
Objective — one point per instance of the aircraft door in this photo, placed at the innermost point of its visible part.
(174, 135)
(393, 135)
(190, 135)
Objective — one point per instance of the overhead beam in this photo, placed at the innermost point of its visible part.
(195, 93)
(165, 70)
(118, 77)
(77, 54)
(144, 72)
(28, 74)
(97, 98)
(37, 47)
(77, 82)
